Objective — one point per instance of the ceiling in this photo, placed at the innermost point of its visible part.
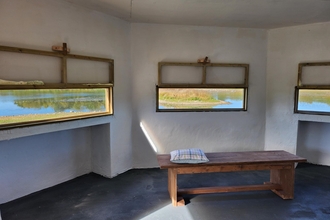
(265, 14)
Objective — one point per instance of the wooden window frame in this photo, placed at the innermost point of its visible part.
(64, 56)
(300, 85)
(203, 84)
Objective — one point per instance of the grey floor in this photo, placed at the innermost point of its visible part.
(142, 194)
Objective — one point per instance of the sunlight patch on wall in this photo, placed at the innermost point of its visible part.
(151, 142)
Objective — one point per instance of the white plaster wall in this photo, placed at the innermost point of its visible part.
(39, 24)
(210, 131)
(313, 142)
(29, 164)
(100, 147)
(287, 47)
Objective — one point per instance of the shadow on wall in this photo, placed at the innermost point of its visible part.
(312, 156)
(313, 142)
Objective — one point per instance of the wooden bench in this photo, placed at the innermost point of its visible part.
(280, 163)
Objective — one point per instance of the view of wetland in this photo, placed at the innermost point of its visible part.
(170, 98)
(314, 100)
(29, 105)
(32, 105)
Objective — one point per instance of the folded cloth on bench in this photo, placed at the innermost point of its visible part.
(193, 155)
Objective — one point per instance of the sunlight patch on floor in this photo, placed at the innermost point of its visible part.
(170, 212)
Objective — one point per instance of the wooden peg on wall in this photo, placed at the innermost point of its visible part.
(204, 60)
(64, 49)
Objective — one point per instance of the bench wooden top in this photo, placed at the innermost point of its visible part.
(238, 158)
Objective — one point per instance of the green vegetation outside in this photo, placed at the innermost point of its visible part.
(197, 98)
(37, 117)
(201, 95)
(313, 95)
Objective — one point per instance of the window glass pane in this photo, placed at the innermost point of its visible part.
(315, 75)
(33, 66)
(80, 71)
(200, 98)
(43, 104)
(316, 100)
(182, 74)
(225, 75)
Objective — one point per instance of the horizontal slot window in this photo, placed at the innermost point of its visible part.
(214, 87)
(33, 106)
(313, 101)
(201, 99)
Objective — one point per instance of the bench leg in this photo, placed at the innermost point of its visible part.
(285, 178)
(173, 188)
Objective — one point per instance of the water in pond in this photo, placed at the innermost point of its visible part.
(314, 106)
(24, 102)
(200, 98)
(315, 100)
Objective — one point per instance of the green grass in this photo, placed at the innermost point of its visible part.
(37, 117)
(199, 95)
(310, 96)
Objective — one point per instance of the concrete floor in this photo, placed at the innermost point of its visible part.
(142, 194)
